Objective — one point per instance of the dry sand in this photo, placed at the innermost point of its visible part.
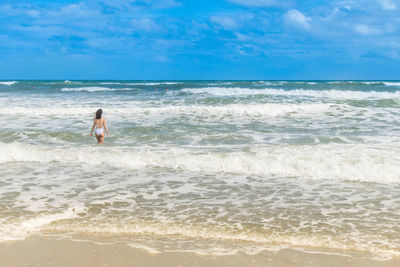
(47, 251)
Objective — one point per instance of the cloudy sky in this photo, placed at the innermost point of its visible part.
(200, 39)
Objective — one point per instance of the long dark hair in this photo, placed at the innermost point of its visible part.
(98, 114)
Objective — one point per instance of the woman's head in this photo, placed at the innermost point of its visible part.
(98, 113)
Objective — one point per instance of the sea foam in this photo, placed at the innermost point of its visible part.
(154, 83)
(21, 230)
(332, 161)
(253, 241)
(333, 94)
(94, 89)
(8, 83)
(205, 111)
(392, 84)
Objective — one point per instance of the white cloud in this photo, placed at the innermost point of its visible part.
(33, 13)
(241, 37)
(73, 8)
(19, 10)
(296, 18)
(153, 3)
(387, 4)
(145, 24)
(76, 10)
(256, 3)
(226, 22)
(166, 4)
(366, 30)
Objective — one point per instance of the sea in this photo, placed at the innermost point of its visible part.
(210, 167)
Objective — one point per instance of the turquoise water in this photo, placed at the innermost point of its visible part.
(205, 166)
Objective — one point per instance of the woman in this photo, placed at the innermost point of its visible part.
(99, 125)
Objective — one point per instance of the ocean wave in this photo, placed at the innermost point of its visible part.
(110, 83)
(305, 82)
(220, 83)
(372, 83)
(330, 161)
(71, 82)
(154, 83)
(232, 110)
(365, 82)
(92, 89)
(8, 83)
(392, 83)
(270, 82)
(355, 82)
(142, 83)
(335, 94)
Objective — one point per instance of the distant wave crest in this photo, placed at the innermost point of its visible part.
(335, 94)
(94, 89)
(8, 83)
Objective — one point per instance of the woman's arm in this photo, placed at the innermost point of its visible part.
(91, 132)
(105, 127)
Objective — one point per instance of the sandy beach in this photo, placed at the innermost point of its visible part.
(40, 250)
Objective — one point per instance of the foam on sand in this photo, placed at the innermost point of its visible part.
(78, 251)
(20, 229)
(254, 241)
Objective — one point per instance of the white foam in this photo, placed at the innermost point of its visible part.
(8, 83)
(332, 161)
(335, 94)
(110, 83)
(202, 234)
(304, 82)
(355, 82)
(17, 230)
(94, 89)
(371, 83)
(154, 83)
(220, 83)
(392, 83)
(46, 111)
(270, 82)
(232, 110)
(336, 82)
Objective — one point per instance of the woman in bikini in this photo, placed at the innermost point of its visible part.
(99, 125)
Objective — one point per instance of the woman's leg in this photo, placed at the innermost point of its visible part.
(101, 138)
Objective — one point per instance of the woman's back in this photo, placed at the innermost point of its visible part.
(99, 123)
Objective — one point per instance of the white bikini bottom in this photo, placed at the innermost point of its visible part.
(98, 131)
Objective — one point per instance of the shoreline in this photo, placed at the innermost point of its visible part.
(41, 250)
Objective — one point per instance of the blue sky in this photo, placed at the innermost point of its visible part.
(200, 39)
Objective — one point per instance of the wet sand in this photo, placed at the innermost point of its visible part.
(47, 251)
